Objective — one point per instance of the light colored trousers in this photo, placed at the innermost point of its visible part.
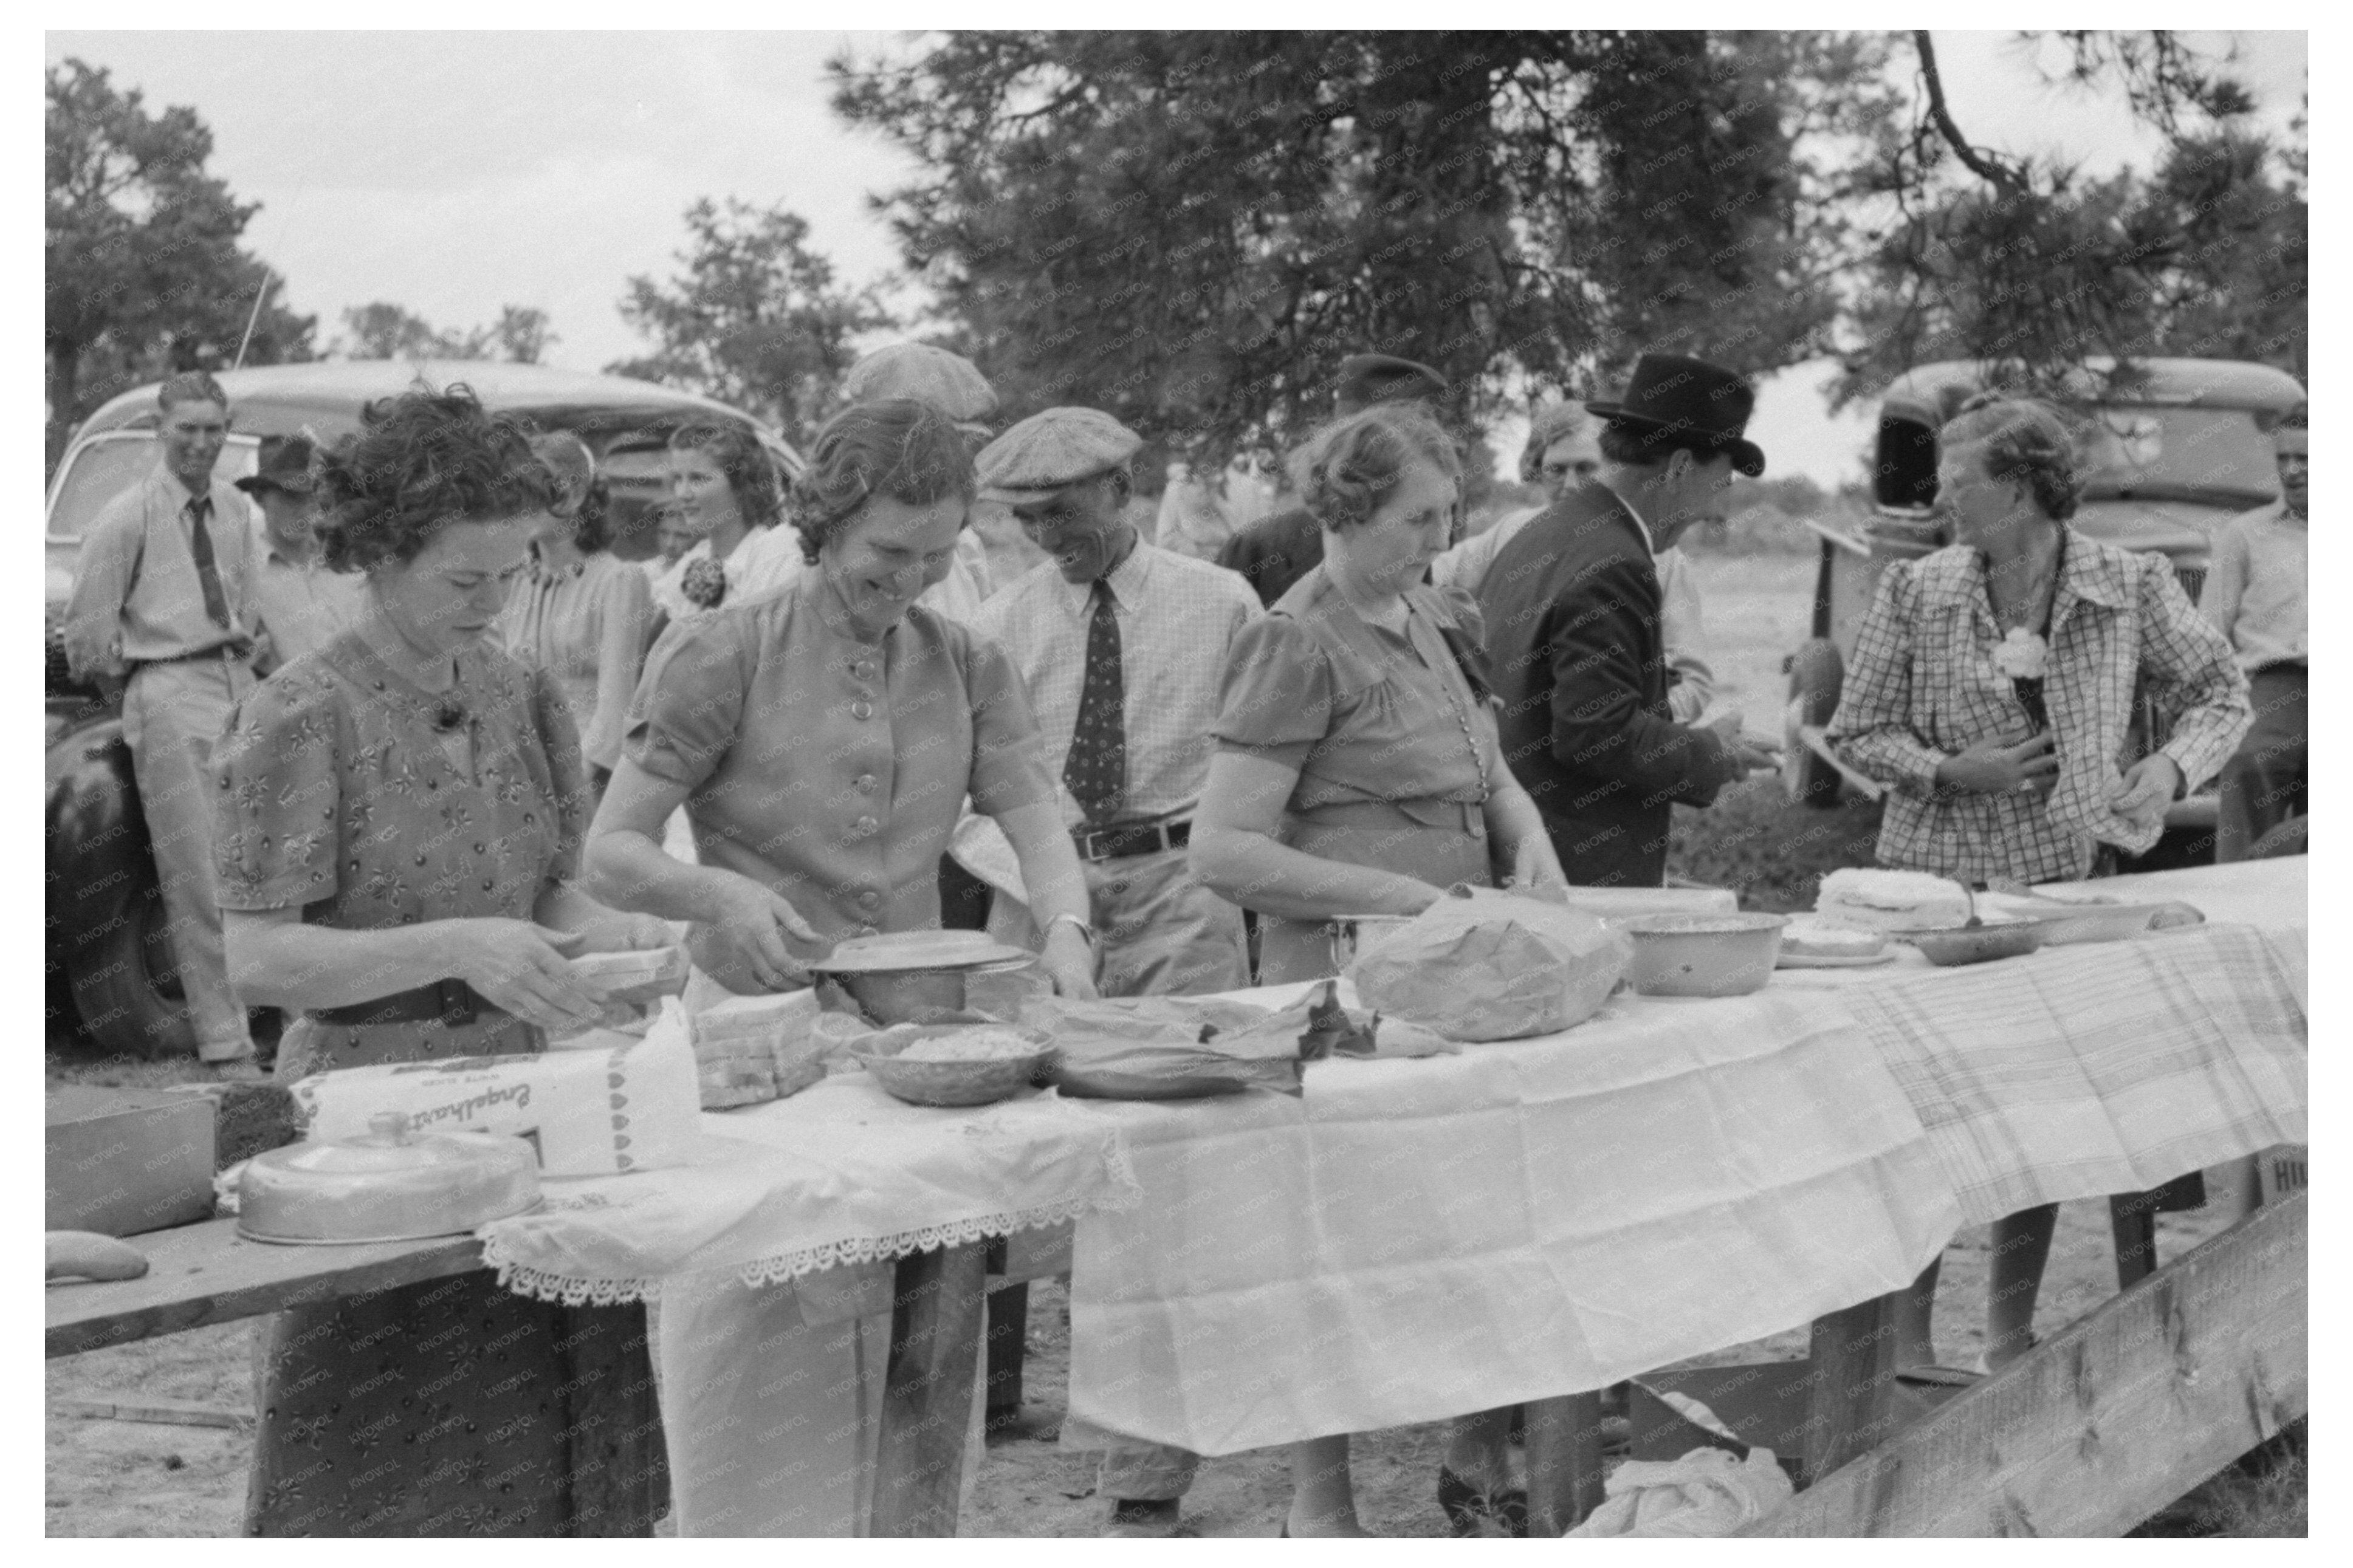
(772, 1424)
(172, 715)
(1163, 934)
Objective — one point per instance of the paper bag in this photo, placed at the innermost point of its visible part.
(1493, 967)
(1164, 1048)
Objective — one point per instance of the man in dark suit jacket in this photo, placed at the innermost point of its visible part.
(1572, 606)
(1282, 547)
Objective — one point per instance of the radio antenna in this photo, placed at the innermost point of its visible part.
(259, 296)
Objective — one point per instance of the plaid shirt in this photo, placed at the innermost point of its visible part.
(1922, 687)
(1178, 617)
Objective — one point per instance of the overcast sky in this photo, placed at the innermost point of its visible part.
(456, 173)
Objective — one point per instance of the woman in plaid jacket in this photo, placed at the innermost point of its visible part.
(1992, 690)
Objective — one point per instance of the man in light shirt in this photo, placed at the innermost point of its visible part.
(2254, 595)
(300, 606)
(163, 603)
(1121, 647)
(1565, 448)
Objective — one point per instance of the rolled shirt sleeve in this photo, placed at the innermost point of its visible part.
(2194, 674)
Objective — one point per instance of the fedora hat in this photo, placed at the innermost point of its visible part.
(285, 465)
(1697, 402)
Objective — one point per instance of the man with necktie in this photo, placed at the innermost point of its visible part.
(160, 606)
(1121, 648)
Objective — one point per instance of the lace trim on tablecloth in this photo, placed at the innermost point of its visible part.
(571, 1291)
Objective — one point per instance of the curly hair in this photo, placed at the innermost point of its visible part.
(1348, 467)
(568, 458)
(2021, 441)
(741, 462)
(1549, 427)
(906, 450)
(421, 461)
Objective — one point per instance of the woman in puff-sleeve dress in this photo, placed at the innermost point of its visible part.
(821, 740)
(398, 818)
(1358, 772)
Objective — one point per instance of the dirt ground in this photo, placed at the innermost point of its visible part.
(109, 1477)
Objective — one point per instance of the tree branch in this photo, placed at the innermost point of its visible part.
(1985, 167)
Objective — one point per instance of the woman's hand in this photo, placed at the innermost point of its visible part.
(2146, 788)
(1989, 767)
(1069, 962)
(1534, 864)
(520, 966)
(748, 937)
(616, 932)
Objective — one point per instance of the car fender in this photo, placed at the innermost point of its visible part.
(99, 858)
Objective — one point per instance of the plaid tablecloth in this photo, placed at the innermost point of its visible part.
(2085, 1071)
(1418, 1239)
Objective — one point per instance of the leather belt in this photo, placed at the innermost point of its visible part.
(451, 1002)
(1141, 839)
(225, 650)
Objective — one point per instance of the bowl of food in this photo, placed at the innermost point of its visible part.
(956, 1065)
(1949, 945)
(1701, 955)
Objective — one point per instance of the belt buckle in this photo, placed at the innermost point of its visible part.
(457, 1000)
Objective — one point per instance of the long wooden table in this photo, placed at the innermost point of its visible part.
(205, 1273)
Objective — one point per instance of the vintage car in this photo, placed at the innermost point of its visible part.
(109, 962)
(2171, 452)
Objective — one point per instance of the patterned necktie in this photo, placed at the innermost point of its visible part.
(200, 541)
(1096, 769)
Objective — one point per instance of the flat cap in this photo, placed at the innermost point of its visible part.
(949, 383)
(1368, 379)
(1048, 450)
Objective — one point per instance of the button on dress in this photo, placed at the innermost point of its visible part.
(450, 1408)
(828, 768)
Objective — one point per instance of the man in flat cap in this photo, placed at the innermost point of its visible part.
(300, 606)
(1277, 551)
(1121, 645)
(1575, 624)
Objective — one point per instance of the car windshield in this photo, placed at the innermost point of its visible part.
(97, 473)
(2187, 454)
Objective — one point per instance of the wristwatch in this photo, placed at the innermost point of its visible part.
(1085, 930)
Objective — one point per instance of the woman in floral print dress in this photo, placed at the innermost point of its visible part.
(397, 819)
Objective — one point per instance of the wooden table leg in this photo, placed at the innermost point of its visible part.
(1008, 1331)
(2132, 1220)
(1849, 1407)
(1564, 1449)
(936, 1327)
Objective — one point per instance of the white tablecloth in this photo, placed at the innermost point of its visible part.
(839, 1173)
(1419, 1239)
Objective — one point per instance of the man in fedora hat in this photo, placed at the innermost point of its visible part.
(298, 605)
(1122, 649)
(1574, 628)
(1279, 549)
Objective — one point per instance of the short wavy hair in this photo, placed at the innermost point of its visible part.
(1348, 467)
(909, 451)
(2021, 441)
(742, 461)
(421, 461)
(1550, 426)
